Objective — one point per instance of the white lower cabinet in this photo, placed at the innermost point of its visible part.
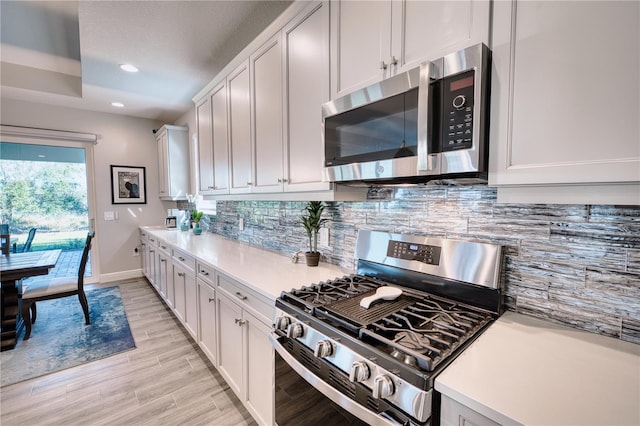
(246, 357)
(454, 413)
(208, 320)
(179, 284)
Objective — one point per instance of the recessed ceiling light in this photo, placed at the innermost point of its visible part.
(117, 104)
(128, 68)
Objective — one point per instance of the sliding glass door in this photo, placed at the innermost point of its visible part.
(47, 185)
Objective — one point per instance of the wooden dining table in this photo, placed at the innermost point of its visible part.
(13, 269)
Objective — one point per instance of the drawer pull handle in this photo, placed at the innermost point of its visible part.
(240, 322)
(205, 273)
(152, 251)
(240, 296)
(163, 260)
(181, 258)
(211, 299)
(181, 274)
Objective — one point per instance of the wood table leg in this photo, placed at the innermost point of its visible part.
(11, 318)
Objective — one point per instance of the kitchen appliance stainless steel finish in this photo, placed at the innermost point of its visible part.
(377, 365)
(428, 123)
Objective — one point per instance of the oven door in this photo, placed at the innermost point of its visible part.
(303, 398)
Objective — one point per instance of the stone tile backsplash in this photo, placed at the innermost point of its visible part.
(574, 264)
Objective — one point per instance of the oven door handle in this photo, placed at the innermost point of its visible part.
(348, 404)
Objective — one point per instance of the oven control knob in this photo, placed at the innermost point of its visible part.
(295, 330)
(282, 323)
(383, 387)
(359, 372)
(324, 348)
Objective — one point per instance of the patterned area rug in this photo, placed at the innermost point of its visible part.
(60, 339)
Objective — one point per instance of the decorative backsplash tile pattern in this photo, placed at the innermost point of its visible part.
(574, 264)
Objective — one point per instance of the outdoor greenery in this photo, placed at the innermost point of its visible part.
(49, 196)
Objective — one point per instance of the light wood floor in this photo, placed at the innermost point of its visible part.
(166, 380)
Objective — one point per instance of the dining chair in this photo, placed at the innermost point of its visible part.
(54, 288)
(5, 238)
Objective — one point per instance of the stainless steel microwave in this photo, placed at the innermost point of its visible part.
(428, 123)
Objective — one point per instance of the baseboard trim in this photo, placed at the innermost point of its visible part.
(122, 275)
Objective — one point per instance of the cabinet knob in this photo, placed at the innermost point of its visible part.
(393, 60)
(249, 183)
(181, 274)
(205, 273)
(240, 322)
(211, 299)
(383, 65)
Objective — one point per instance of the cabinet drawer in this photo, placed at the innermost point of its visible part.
(164, 247)
(205, 273)
(248, 297)
(184, 259)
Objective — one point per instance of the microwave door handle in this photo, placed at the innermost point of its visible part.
(428, 162)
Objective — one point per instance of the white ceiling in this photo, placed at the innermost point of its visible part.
(67, 53)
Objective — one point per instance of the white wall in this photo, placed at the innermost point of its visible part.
(122, 141)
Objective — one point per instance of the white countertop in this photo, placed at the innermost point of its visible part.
(523, 370)
(267, 272)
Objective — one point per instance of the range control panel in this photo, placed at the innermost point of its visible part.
(411, 251)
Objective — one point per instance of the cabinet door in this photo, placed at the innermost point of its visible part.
(191, 304)
(144, 256)
(565, 102)
(307, 87)
(163, 165)
(207, 323)
(240, 130)
(266, 89)
(361, 40)
(423, 30)
(205, 147)
(231, 348)
(163, 271)
(179, 283)
(152, 256)
(220, 140)
(259, 370)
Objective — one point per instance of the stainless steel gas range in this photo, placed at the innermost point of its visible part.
(366, 348)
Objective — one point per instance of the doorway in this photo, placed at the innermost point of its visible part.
(47, 185)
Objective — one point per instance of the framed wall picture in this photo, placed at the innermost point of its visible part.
(128, 185)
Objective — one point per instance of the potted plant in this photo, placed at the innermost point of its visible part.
(312, 221)
(196, 216)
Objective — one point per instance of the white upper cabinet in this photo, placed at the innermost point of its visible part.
(205, 147)
(220, 139)
(240, 130)
(373, 40)
(173, 159)
(360, 43)
(306, 88)
(266, 91)
(213, 143)
(565, 124)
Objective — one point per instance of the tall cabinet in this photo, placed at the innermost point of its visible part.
(173, 162)
(565, 111)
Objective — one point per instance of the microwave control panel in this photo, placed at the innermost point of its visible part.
(457, 113)
(411, 251)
